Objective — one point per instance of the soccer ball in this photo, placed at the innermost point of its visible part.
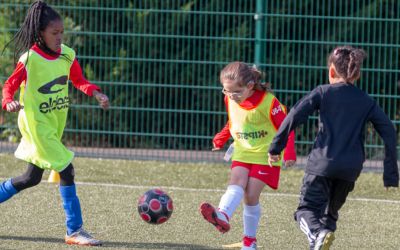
(155, 206)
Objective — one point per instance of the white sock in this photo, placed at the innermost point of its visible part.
(231, 199)
(251, 217)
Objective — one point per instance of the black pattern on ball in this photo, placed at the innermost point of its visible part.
(155, 206)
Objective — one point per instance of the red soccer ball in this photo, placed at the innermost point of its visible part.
(155, 206)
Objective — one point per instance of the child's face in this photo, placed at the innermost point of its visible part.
(53, 35)
(235, 92)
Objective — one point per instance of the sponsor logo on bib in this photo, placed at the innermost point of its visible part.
(46, 88)
(57, 103)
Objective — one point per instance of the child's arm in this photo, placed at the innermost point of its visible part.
(11, 86)
(90, 89)
(277, 115)
(221, 138)
(385, 129)
(297, 115)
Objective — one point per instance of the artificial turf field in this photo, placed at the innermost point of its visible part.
(109, 189)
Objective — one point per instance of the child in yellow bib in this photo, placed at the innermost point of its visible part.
(254, 115)
(42, 74)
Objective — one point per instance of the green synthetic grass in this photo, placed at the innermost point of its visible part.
(34, 218)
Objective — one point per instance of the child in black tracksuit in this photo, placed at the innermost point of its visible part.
(337, 157)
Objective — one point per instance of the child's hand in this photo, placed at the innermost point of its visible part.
(273, 158)
(14, 106)
(102, 99)
(290, 163)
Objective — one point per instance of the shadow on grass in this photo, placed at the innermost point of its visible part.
(113, 244)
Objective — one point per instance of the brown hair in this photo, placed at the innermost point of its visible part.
(347, 61)
(243, 74)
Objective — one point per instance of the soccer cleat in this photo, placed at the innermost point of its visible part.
(249, 243)
(215, 217)
(81, 237)
(324, 240)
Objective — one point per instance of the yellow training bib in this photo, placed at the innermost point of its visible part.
(42, 121)
(252, 131)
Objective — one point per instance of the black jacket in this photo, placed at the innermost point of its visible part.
(338, 150)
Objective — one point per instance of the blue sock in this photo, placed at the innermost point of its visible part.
(7, 190)
(72, 208)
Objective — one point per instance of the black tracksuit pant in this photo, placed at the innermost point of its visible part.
(320, 200)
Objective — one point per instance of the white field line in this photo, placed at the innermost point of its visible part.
(218, 191)
(211, 191)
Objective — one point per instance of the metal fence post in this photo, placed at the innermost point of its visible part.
(259, 51)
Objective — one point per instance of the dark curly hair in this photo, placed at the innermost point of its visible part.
(347, 61)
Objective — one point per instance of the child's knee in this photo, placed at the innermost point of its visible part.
(67, 176)
(251, 198)
(26, 182)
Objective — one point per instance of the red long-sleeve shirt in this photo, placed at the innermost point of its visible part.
(276, 114)
(19, 76)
